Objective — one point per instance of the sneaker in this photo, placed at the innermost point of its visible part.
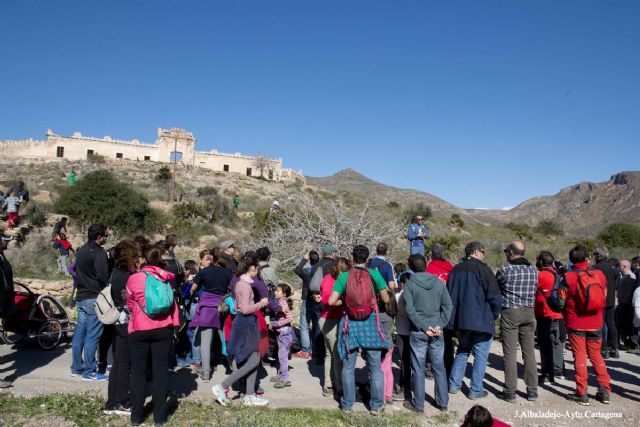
(507, 397)
(532, 396)
(302, 355)
(483, 393)
(205, 376)
(282, 384)
(408, 405)
(453, 390)
(75, 374)
(398, 397)
(259, 391)
(274, 379)
(376, 412)
(254, 400)
(603, 397)
(583, 400)
(442, 408)
(118, 410)
(94, 376)
(388, 401)
(327, 391)
(605, 354)
(346, 411)
(5, 384)
(546, 378)
(614, 354)
(221, 394)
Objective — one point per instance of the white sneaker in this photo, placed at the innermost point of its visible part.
(221, 394)
(254, 400)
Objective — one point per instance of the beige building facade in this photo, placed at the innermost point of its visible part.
(168, 142)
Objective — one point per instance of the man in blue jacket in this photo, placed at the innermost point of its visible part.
(477, 302)
(416, 234)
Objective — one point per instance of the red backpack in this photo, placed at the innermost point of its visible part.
(360, 299)
(592, 294)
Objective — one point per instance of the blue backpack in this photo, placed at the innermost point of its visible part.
(158, 296)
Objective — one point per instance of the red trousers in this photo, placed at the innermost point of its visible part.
(12, 219)
(588, 344)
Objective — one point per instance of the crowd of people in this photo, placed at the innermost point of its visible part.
(231, 308)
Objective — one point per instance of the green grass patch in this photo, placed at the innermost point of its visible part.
(86, 410)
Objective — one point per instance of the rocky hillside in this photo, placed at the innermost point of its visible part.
(583, 208)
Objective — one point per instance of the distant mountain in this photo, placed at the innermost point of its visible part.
(354, 182)
(583, 208)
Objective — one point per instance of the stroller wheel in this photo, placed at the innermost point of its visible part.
(11, 337)
(49, 334)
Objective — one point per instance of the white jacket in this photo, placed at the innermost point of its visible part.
(636, 308)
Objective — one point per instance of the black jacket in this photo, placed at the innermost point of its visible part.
(119, 279)
(610, 272)
(92, 270)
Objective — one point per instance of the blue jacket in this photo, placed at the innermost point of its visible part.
(412, 234)
(475, 296)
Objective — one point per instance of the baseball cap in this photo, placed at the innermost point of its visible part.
(602, 251)
(328, 249)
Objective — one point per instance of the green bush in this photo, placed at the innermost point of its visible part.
(417, 209)
(96, 158)
(100, 198)
(36, 214)
(393, 205)
(164, 175)
(548, 228)
(522, 231)
(207, 191)
(450, 242)
(620, 235)
(590, 244)
(456, 220)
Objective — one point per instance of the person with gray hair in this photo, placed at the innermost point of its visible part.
(609, 330)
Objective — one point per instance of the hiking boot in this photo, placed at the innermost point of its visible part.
(346, 411)
(546, 378)
(5, 384)
(274, 379)
(282, 384)
(614, 354)
(221, 394)
(398, 397)
(603, 397)
(583, 400)
(532, 396)
(94, 376)
(605, 354)
(507, 397)
(408, 405)
(205, 376)
(253, 400)
(483, 393)
(376, 412)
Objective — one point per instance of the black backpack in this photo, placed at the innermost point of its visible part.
(558, 295)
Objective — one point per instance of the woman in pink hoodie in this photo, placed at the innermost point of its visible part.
(149, 335)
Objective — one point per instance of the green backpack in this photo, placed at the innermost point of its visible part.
(158, 296)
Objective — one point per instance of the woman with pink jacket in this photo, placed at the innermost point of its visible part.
(149, 335)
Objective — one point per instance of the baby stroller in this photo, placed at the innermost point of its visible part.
(36, 316)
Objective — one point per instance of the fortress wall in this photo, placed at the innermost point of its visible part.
(76, 148)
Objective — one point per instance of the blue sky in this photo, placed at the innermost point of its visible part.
(482, 103)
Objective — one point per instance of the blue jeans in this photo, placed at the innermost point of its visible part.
(416, 250)
(307, 341)
(85, 338)
(376, 380)
(193, 355)
(421, 344)
(479, 343)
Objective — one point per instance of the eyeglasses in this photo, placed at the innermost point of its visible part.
(481, 251)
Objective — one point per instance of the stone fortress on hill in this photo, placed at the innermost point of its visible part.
(168, 141)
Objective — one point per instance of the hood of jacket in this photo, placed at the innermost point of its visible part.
(425, 280)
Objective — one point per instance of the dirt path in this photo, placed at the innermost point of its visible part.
(35, 371)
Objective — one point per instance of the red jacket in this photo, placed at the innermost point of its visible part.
(440, 268)
(575, 320)
(546, 280)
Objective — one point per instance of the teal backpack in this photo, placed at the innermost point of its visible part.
(158, 296)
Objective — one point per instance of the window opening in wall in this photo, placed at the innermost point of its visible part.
(225, 168)
(89, 153)
(147, 158)
(248, 171)
(270, 174)
(59, 151)
(118, 155)
(175, 154)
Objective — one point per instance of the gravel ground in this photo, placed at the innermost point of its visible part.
(34, 371)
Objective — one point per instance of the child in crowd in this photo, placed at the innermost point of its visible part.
(314, 312)
(479, 416)
(64, 247)
(188, 353)
(286, 336)
(403, 331)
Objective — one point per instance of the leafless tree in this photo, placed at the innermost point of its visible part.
(263, 163)
(304, 225)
